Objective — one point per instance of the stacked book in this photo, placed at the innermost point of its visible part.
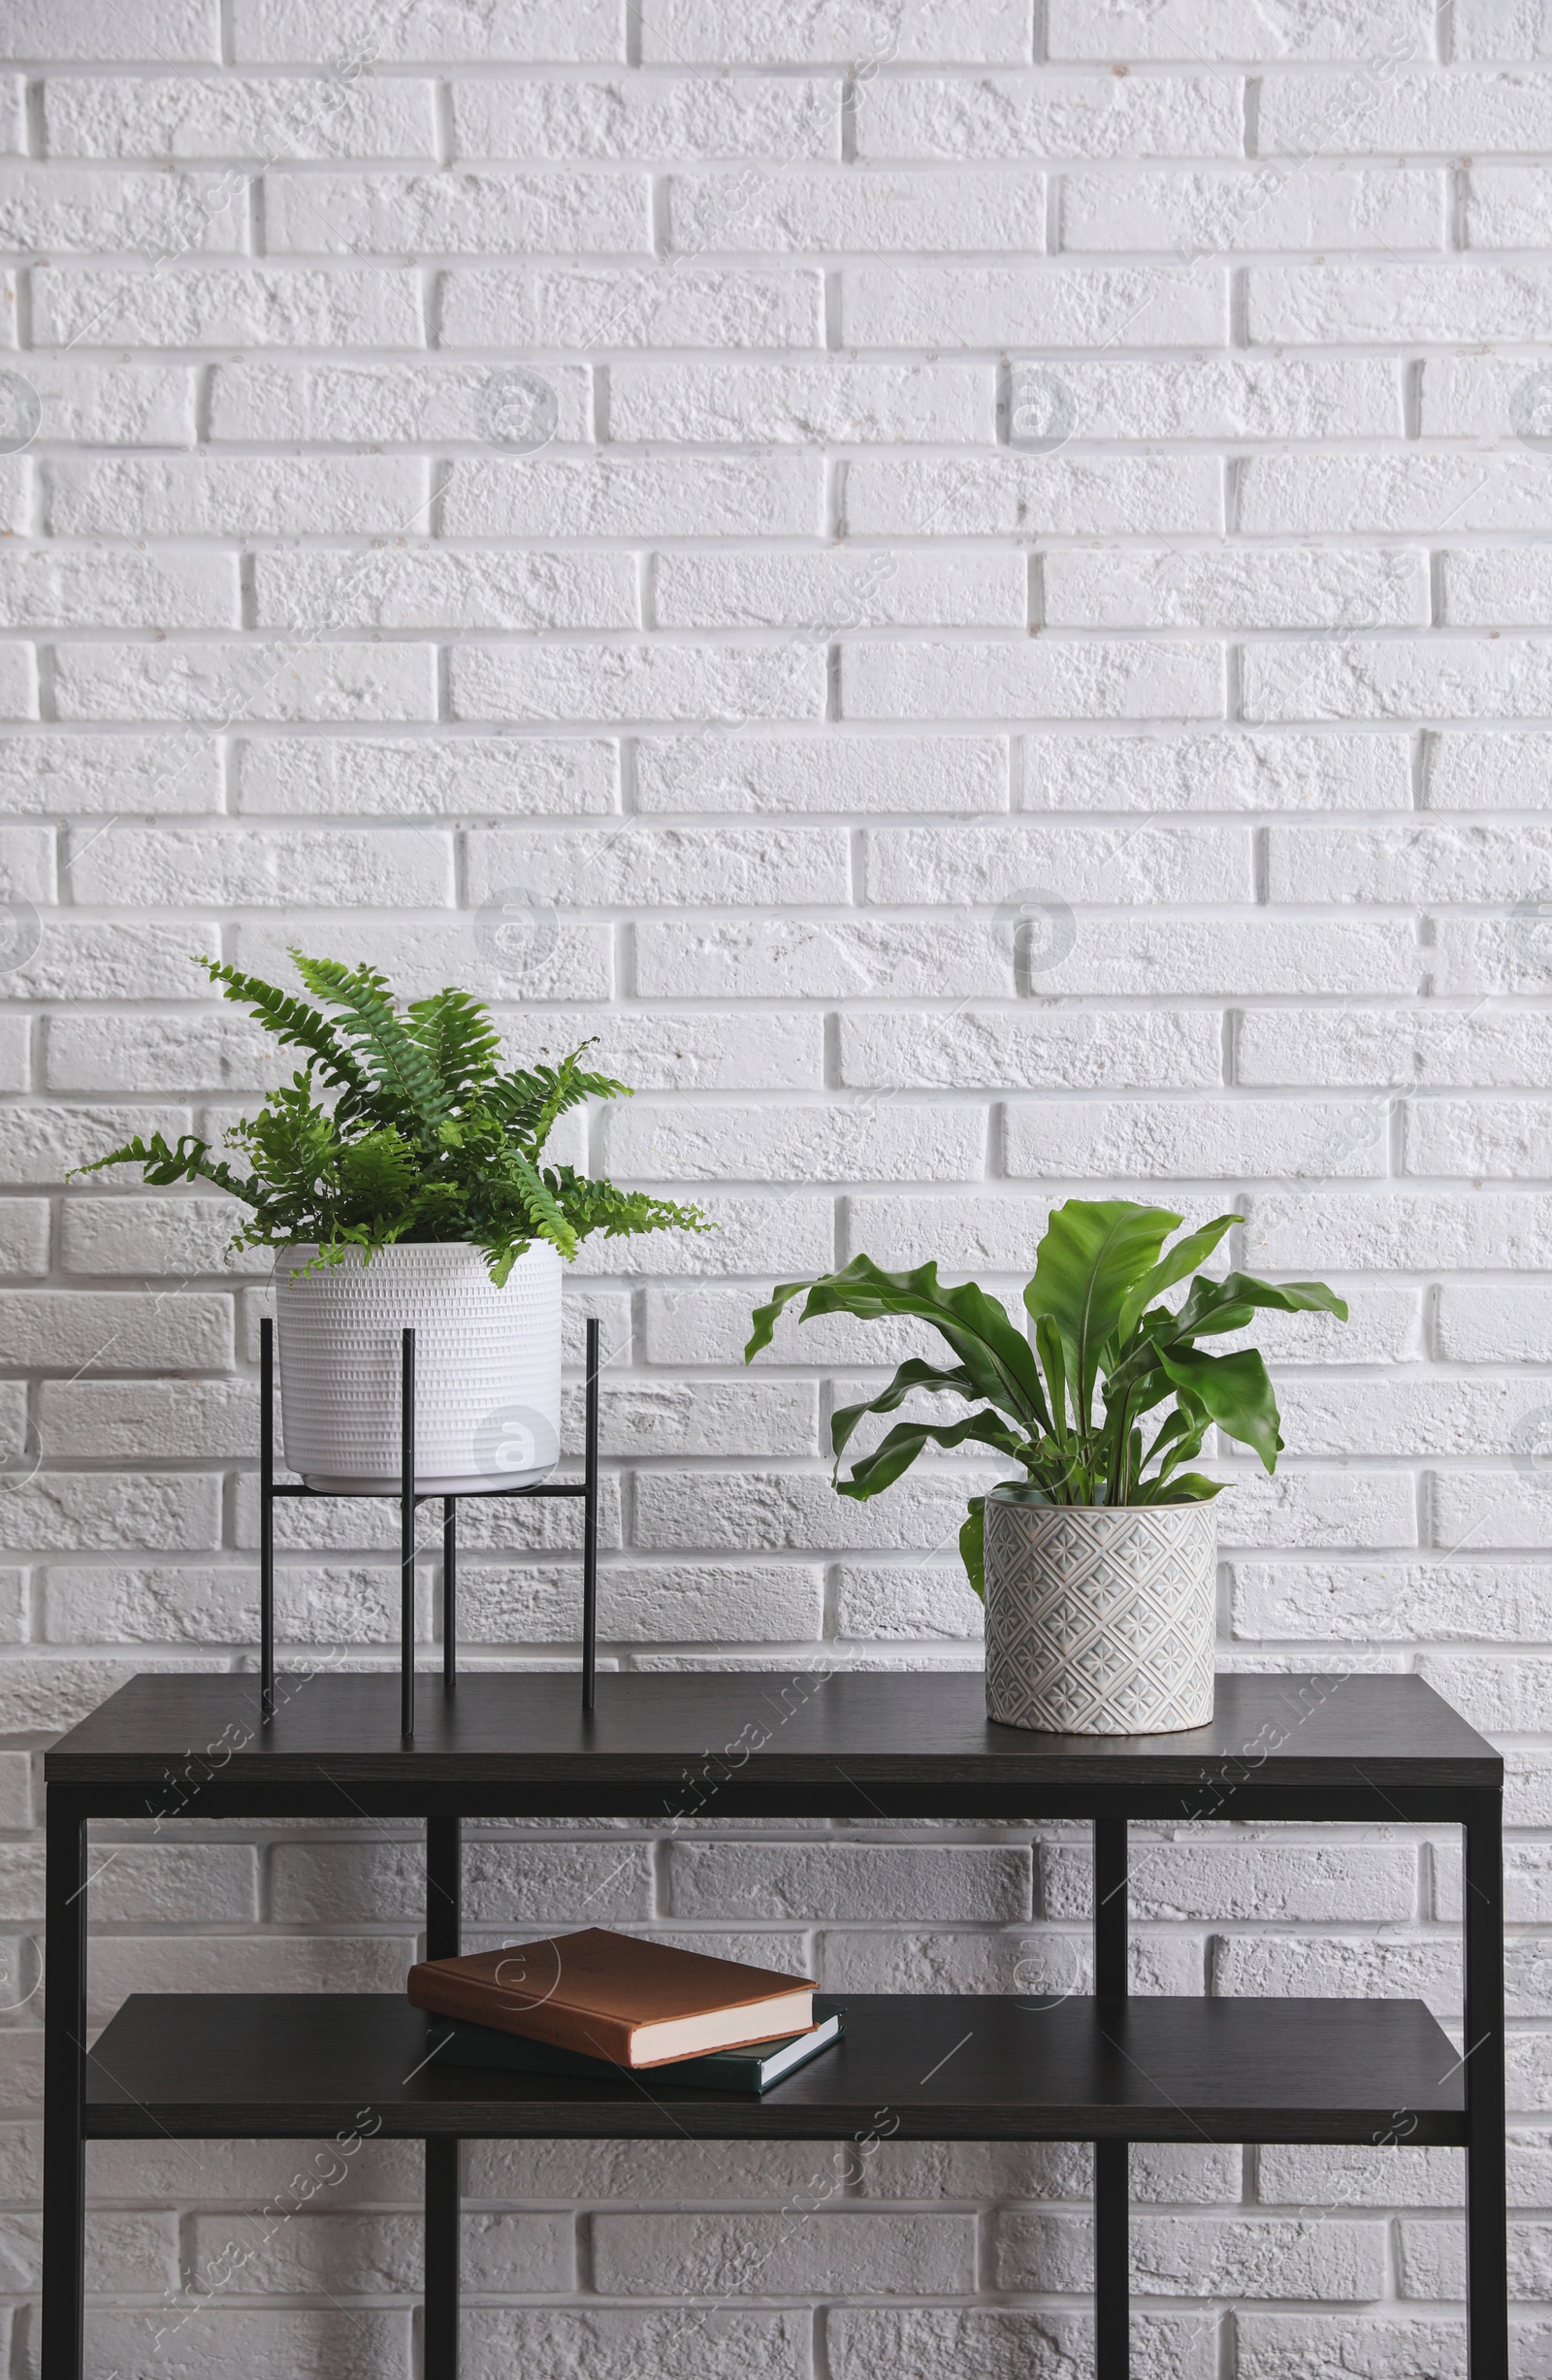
(586, 2005)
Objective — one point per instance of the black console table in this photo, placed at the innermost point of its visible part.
(740, 1744)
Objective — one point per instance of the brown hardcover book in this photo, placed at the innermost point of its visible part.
(607, 1996)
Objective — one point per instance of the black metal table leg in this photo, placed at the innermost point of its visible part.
(449, 1591)
(444, 1891)
(1111, 2158)
(267, 1520)
(1110, 1908)
(440, 2355)
(1486, 2184)
(64, 2159)
(445, 1886)
(406, 1538)
(590, 1519)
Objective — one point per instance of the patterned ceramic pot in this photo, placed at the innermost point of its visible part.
(1101, 1620)
(487, 1368)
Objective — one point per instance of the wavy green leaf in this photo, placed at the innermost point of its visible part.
(998, 1358)
(1227, 1304)
(1189, 1487)
(1235, 1391)
(1093, 1254)
(896, 1452)
(1187, 1255)
(973, 1545)
(914, 1374)
(764, 1318)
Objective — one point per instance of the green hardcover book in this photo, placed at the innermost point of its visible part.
(453, 2043)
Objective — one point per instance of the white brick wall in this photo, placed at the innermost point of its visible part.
(960, 583)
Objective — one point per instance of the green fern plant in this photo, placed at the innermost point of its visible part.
(400, 1126)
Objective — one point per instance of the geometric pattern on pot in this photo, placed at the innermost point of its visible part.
(1101, 1620)
(487, 1367)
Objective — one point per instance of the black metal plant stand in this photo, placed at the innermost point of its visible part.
(410, 1503)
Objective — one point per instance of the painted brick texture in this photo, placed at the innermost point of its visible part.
(964, 585)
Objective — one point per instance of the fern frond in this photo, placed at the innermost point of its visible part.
(290, 1144)
(191, 1160)
(457, 1035)
(517, 1100)
(544, 1210)
(292, 1021)
(530, 1100)
(598, 1206)
(391, 1054)
(379, 1174)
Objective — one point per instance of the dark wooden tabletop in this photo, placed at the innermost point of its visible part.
(725, 1743)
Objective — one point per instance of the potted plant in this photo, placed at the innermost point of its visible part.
(1097, 1564)
(399, 1176)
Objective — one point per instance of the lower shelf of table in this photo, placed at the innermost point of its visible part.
(282, 2065)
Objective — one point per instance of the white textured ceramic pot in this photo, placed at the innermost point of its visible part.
(1101, 1620)
(487, 1367)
